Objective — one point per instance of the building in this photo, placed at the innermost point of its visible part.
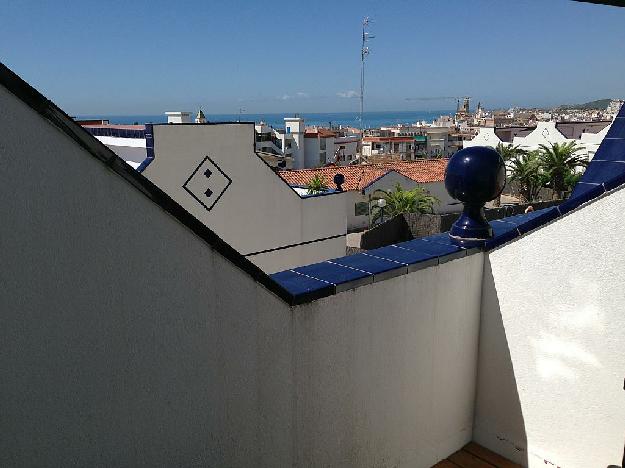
(307, 147)
(127, 141)
(133, 334)
(363, 181)
(587, 135)
(178, 117)
(412, 141)
(323, 146)
(402, 147)
(213, 171)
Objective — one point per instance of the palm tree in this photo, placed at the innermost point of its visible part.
(317, 184)
(526, 170)
(558, 162)
(509, 152)
(398, 200)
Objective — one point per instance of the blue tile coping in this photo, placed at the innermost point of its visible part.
(604, 173)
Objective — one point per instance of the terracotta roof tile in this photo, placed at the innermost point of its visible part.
(360, 176)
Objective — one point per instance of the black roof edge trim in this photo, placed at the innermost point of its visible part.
(617, 3)
(51, 112)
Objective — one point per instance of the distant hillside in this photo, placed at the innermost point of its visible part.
(600, 104)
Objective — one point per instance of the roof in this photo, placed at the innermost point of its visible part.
(388, 138)
(319, 133)
(358, 177)
(119, 127)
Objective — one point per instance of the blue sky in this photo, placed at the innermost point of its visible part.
(145, 57)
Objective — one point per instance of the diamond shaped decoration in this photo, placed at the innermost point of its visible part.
(207, 183)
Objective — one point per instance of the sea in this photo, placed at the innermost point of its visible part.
(349, 119)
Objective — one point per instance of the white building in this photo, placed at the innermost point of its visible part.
(213, 171)
(178, 117)
(587, 135)
(307, 147)
(486, 136)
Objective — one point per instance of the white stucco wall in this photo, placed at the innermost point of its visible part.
(385, 374)
(552, 353)
(486, 136)
(258, 211)
(125, 340)
(545, 133)
(446, 203)
(129, 149)
(592, 141)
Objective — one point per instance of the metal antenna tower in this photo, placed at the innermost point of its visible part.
(364, 52)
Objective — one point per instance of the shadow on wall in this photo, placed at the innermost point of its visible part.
(498, 423)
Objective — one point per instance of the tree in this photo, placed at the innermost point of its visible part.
(558, 162)
(509, 152)
(526, 170)
(317, 184)
(398, 200)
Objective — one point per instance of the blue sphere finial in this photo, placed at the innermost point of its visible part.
(474, 175)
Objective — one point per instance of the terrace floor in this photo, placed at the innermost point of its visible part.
(473, 455)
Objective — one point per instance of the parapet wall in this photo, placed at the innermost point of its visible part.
(552, 359)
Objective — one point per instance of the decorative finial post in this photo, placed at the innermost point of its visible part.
(474, 175)
(339, 180)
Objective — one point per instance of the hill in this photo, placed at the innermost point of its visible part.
(600, 104)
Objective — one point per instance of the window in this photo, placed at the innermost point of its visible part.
(322, 158)
(288, 129)
(322, 143)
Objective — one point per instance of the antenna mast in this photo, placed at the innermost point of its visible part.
(364, 52)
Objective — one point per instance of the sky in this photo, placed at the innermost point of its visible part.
(145, 57)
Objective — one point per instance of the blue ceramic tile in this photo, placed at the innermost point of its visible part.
(523, 217)
(575, 201)
(617, 130)
(610, 150)
(442, 238)
(404, 256)
(614, 181)
(543, 217)
(300, 284)
(367, 263)
(502, 227)
(501, 239)
(581, 188)
(602, 171)
(434, 249)
(333, 273)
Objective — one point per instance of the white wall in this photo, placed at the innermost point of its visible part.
(125, 340)
(391, 179)
(129, 149)
(552, 353)
(312, 150)
(385, 374)
(592, 141)
(545, 133)
(258, 211)
(486, 136)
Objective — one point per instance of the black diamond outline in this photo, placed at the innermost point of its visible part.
(184, 186)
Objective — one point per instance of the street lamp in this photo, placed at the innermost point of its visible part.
(381, 205)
